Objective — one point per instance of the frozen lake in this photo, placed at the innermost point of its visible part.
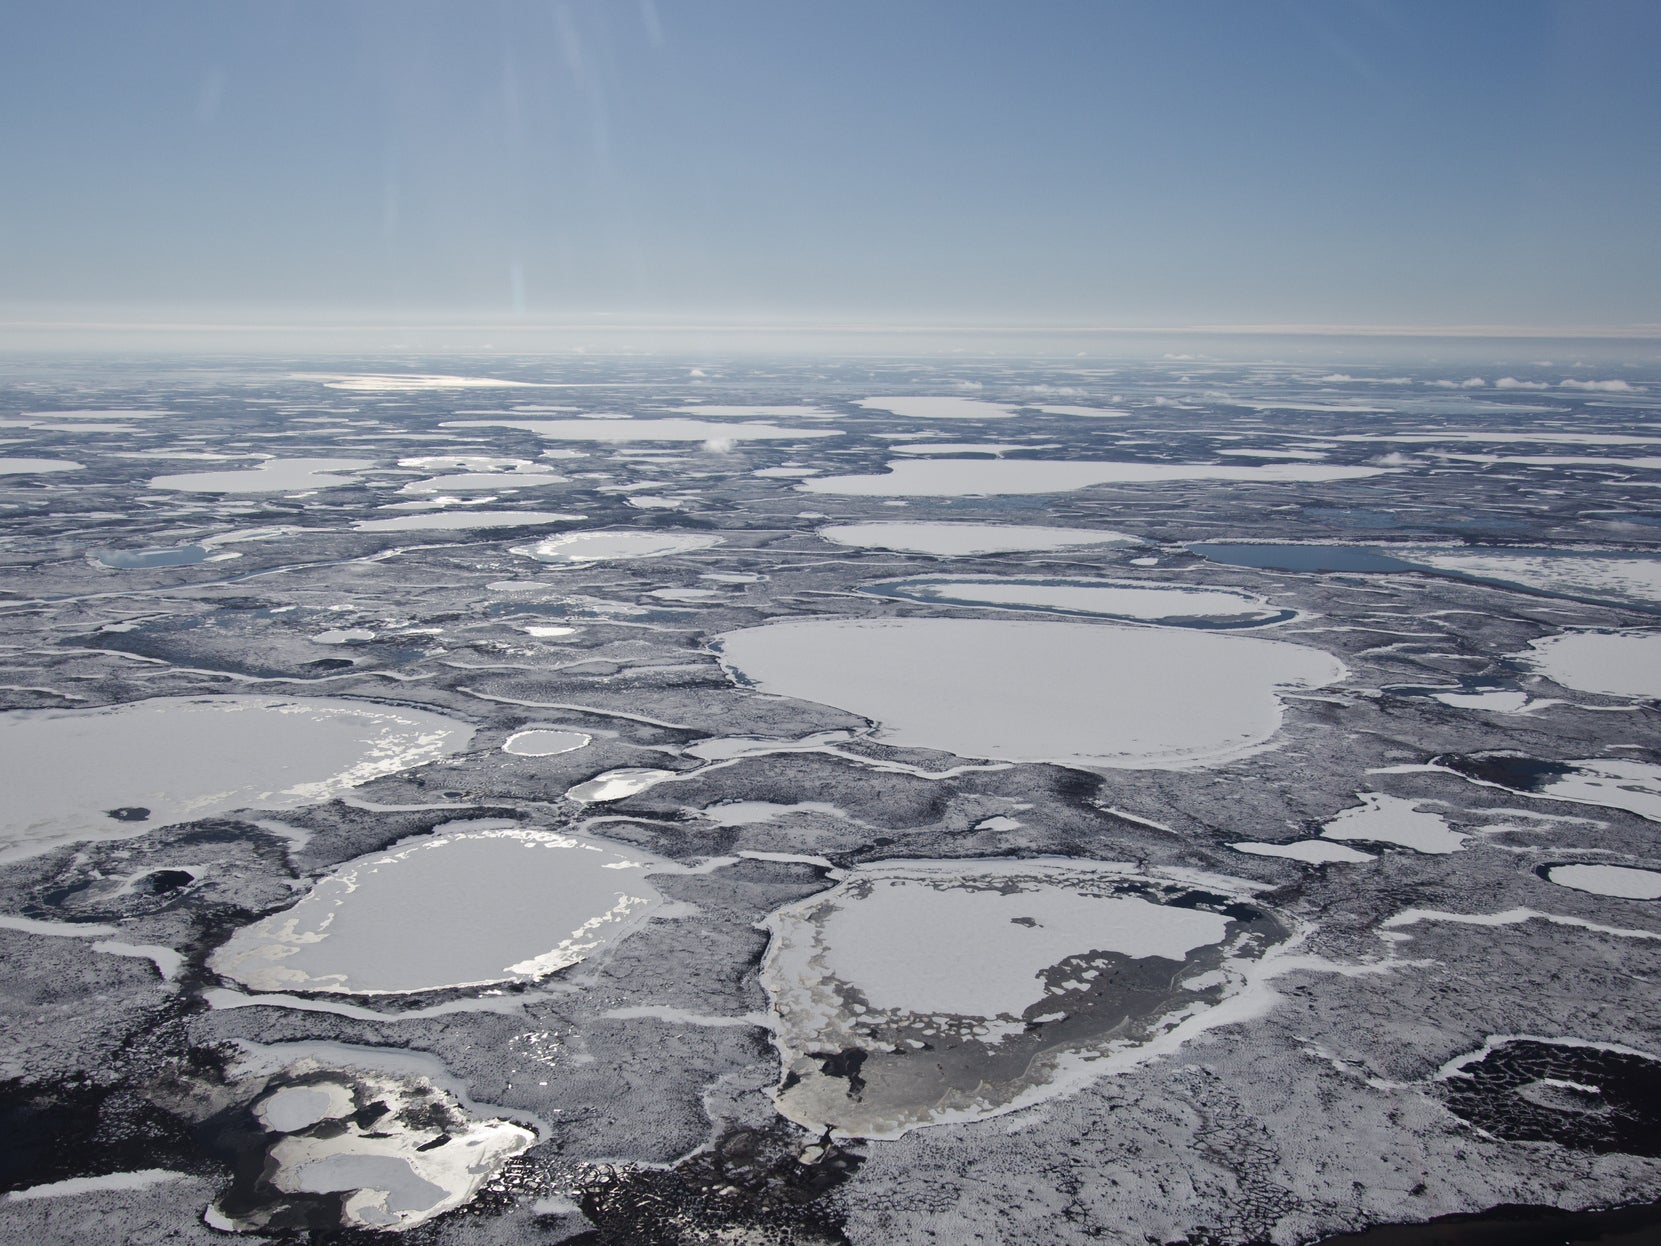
(972, 477)
(956, 990)
(271, 476)
(125, 769)
(585, 547)
(467, 906)
(542, 810)
(1608, 880)
(1616, 664)
(33, 467)
(957, 539)
(1171, 604)
(673, 429)
(1097, 695)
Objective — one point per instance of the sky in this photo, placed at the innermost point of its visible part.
(908, 162)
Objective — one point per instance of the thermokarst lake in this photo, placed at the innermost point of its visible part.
(622, 799)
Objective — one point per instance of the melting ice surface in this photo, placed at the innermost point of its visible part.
(470, 905)
(948, 539)
(577, 547)
(1114, 599)
(1633, 579)
(401, 1147)
(175, 759)
(969, 477)
(271, 476)
(616, 784)
(1618, 664)
(1616, 784)
(953, 990)
(1380, 819)
(1090, 694)
(1620, 881)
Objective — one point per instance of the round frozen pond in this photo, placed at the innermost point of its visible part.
(1088, 694)
(1173, 604)
(541, 742)
(580, 547)
(106, 773)
(1621, 881)
(466, 906)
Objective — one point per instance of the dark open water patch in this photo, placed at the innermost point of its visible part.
(1519, 1225)
(1515, 771)
(1301, 557)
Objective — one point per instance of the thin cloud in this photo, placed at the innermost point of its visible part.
(1613, 387)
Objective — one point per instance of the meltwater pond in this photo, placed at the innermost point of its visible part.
(472, 904)
(1178, 605)
(920, 992)
(1089, 694)
(118, 771)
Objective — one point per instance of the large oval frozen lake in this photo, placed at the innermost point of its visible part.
(1088, 694)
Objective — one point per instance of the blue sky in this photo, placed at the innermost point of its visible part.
(1052, 162)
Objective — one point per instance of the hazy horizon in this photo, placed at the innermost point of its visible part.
(1130, 167)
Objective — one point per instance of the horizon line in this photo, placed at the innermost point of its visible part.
(1629, 332)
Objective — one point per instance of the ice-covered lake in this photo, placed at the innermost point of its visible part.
(955, 539)
(467, 906)
(1088, 694)
(956, 990)
(1172, 604)
(126, 769)
(585, 547)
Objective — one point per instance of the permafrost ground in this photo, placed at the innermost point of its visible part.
(600, 801)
